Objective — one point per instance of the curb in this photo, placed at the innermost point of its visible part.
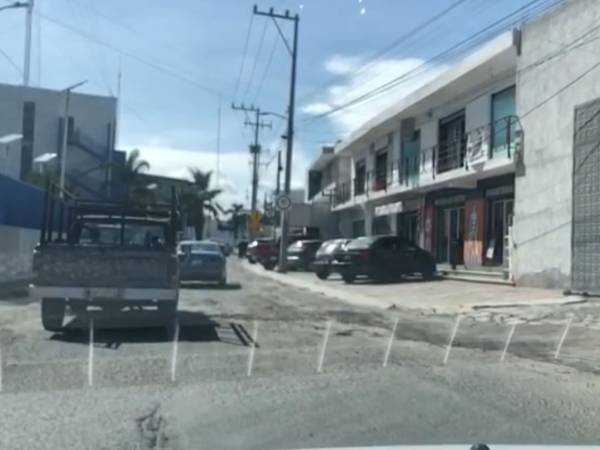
(352, 299)
(365, 301)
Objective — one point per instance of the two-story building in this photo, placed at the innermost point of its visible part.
(493, 163)
(438, 167)
(37, 114)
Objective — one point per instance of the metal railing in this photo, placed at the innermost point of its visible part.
(498, 139)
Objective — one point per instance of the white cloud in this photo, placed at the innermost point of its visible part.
(357, 81)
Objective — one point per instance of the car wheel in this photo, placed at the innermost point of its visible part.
(428, 273)
(53, 313)
(269, 266)
(322, 274)
(348, 278)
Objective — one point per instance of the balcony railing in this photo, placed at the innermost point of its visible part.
(491, 141)
(342, 192)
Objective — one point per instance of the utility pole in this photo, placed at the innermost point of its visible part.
(28, 24)
(255, 148)
(285, 215)
(278, 178)
(64, 146)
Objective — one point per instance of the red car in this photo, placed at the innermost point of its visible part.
(264, 251)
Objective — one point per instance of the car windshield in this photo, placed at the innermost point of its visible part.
(299, 224)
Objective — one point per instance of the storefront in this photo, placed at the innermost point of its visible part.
(470, 227)
(401, 218)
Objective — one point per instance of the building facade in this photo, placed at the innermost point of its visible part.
(493, 163)
(37, 114)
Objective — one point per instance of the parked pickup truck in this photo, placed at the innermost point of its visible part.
(106, 255)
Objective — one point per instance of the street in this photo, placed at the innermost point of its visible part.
(300, 386)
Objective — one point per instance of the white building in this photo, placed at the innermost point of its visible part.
(37, 114)
(493, 164)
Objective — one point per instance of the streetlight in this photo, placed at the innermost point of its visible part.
(29, 6)
(269, 113)
(63, 153)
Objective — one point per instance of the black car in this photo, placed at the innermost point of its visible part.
(330, 251)
(384, 258)
(301, 253)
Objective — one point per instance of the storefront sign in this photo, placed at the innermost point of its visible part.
(450, 200)
(500, 190)
(390, 208)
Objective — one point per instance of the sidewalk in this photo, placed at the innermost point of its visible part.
(440, 296)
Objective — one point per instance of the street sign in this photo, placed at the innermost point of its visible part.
(255, 222)
(283, 202)
(254, 149)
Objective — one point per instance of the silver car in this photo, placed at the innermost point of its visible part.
(201, 261)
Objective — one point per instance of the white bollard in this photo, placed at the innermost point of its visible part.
(388, 350)
(323, 347)
(91, 355)
(563, 337)
(508, 339)
(252, 348)
(175, 349)
(451, 340)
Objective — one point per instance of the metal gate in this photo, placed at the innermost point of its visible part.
(585, 265)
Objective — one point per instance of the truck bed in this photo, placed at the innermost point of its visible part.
(96, 266)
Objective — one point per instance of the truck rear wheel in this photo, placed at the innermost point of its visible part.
(53, 313)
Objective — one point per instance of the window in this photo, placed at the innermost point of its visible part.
(358, 228)
(380, 181)
(452, 142)
(360, 177)
(28, 138)
(381, 225)
(503, 120)
(314, 183)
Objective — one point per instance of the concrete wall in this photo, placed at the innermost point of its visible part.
(16, 253)
(543, 187)
(91, 115)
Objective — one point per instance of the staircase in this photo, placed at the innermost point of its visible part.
(493, 275)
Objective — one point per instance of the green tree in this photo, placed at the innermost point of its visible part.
(199, 201)
(129, 175)
(237, 219)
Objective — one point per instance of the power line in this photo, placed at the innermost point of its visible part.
(469, 43)
(11, 62)
(256, 58)
(239, 78)
(368, 63)
(158, 67)
(267, 67)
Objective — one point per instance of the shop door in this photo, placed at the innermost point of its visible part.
(585, 261)
(450, 235)
(501, 220)
(406, 224)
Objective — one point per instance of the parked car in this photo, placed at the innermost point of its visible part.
(384, 258)
(225, 247)
(263, 251)
(201, 261)
(301, 253)
(330, 251)
(242, 247)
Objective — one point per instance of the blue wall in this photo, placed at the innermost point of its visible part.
(20, 204)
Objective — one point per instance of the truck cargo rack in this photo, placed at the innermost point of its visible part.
(59, 213)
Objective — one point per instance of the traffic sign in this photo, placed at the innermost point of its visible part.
(255, 222)
(283, 202)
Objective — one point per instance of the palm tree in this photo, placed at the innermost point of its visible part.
(237, 219)
(200, 200)
(129, 175)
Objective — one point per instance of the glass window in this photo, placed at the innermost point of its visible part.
(503, 123)
(28, 138)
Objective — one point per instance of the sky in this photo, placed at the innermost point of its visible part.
(183, 61)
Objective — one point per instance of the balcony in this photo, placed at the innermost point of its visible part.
(483, 149)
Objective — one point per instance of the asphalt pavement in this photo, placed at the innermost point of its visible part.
(260, 364)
